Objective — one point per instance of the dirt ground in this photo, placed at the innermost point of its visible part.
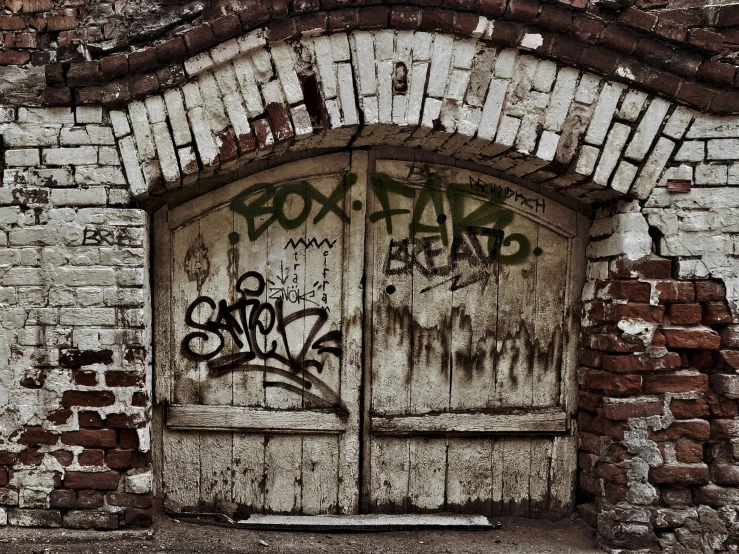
(171, 536)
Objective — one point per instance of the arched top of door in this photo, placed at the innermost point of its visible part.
(555, 126)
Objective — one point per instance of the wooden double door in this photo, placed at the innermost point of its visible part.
(348, 334)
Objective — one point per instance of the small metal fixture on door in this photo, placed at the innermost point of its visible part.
(464, 339)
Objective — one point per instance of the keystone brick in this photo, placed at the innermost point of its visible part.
(682, 474)
(682, 382)
(696, 338)
(102, 438)
(608, 381)
(105, 480)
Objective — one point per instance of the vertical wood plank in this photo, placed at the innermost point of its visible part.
(562, 477)
(551, 278)
(516, 469)
(498, 471)
(427, 478)
(162, 269)
(320, 486)
(541, 456)
(283, 458)
(390, 465)
(470, 476)
(516, 302)
(216, 461)
(182, 467)
(248, 471)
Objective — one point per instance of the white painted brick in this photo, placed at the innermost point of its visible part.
(226, 79)
(121, 128)
(203, 137)
(334, 113)
(547, 146)
(481, 28)
(384, 45)
(188, 164)
(632, 105)
(283, 58)
(72, 136)
(531, 41)
(254, 40)
(678, 122)
(469, 119)
(248, 84)
(546, 71)
(346, 94)
(507, 131)
(587, 91)
(46, 116)
(93, 196)
(604, 111)
(733, 177)
(399, 108)
(156, 110)
(464, 53)
(458, 82)
(440, 64)
(16, 136)
(364, 59)
(193, 98)
(422, 46)
(177, 117)
(505, 64)
(198, 63)
(711, 174)
(237, 113)
(431, 112)
(22, 157)
(562, 96)
(87, 317)
(385, 90)
(653, 168)
(225, 51)
(166, 154)
(214, 106)
(723, 149)
(707, 126)
(129, 157)
(691, 151)
(611, 153)
(89, 114)
(262, 66)
(95, 175)
(370, 110)
(100, 135)
(141, 130)
(46, 177)
(586, 161)
(84, 155)
(301, 122)
(340, 49)
(7, 115)
(152, 172)
(492, 109)
(415, 93)
(647, 130)
(325, 65)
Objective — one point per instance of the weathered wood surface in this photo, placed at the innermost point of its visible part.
(551, 420)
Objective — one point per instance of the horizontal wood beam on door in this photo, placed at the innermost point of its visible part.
(186, 417)
(549, 420)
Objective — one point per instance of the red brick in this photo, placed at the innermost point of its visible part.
(83, 74)
(522, 10)
(615, 494)
(710, 291)
(199, 38)
(725, 474)
(695, 429)
(3, 477)
(466, 24)
(87, 398)
(681, 382)
(590, 442)
(566, 49)
(102, 438)
(36, 436)
(121, 459)
(601, 60)
(617, 312)
(139, 518)
(689, 409)
(172, 50)
(671, 30)
(141, 61)
(644, 269)
(724, 429)
(105, 480)
(725, 102)
(553, 18)
(14, 57)
(608, 339)
(89, 500)
(63, 498)
(281, 30)
(639, 19)
(689, 452)
(627, 408)
(589, 401)
(716, 313)
(618, 39)
(491, 8)
(612, 473)
(91, 457)
(140, 399)
(252, 13)
(628, 290)
(696, 338)
(311, 23)
(604, 380)
(682, 474)
(586, 28)
(695, 94)
(405, 17)
(143, 85)
(226, 27)
(641, 362)
(717, 73)
(601, 426)
(684, 63)
(171, 76)
(676, 291)
(7, 458)
(343, 20)
(60, 416)
(375, 17)
(684, 314)
(129, 500)
(123, 379)
(436, 19)
(31, 457)
(727, 359)
(590, 358)
(12, 23)
(120, 421)
(725, 385)
(722, 407)
(705, 40)
(85, 378)
(114, 66)
(128, 438)
(60, 22)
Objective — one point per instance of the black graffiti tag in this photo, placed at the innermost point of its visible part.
(248, 322)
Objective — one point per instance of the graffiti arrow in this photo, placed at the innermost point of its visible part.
(282, 277)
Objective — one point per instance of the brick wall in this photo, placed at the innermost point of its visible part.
(74, 308)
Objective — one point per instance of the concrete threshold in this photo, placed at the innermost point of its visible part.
(366, 523)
